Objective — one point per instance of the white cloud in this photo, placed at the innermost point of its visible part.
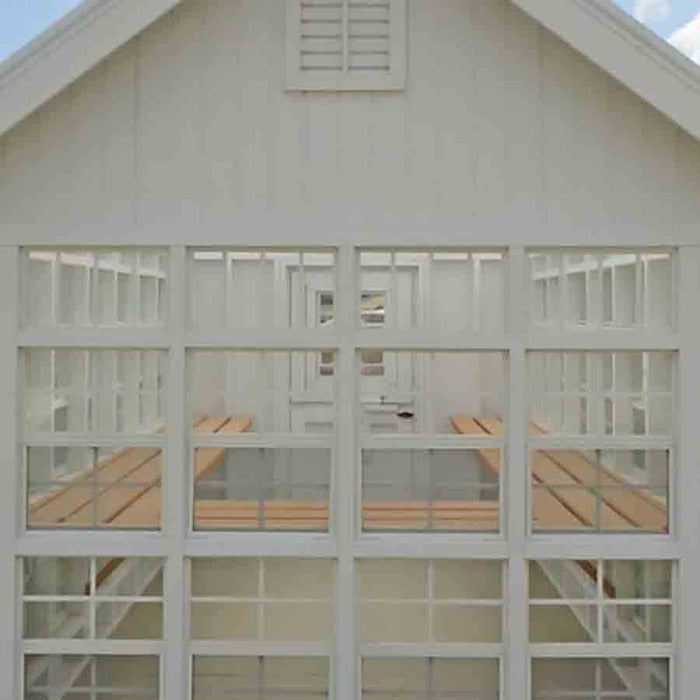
(648, 11)
(687, 39)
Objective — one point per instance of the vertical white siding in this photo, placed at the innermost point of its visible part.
(502, 130)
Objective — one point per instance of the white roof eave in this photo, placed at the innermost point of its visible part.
(598, 29)
(628, 51)
(69, 48)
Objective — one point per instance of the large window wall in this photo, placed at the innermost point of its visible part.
(345, 473)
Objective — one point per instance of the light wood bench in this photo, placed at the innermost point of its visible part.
(125, 490)
(564, 496)
(376, 515)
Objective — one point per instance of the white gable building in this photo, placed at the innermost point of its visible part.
(350, 349)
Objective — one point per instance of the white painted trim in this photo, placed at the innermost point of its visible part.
(68, 49)
(515, 484)
(687, 477)
(175, 507)
(10, 497)
(346, 478)
(628, 51)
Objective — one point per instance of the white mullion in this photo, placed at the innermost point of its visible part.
(260, 607)
(228, 287)
(9, 463)
(591, 650)
(55, 289)
(430, 573)
(135, 307)
(686, 520)
(600, 594)
(563, 293)
(392, 309)
(175, 480)
(516, 487)
(416, 650)
(476, 289)
(428, 289)
(345, 493)
(93, 288)
(638, 292)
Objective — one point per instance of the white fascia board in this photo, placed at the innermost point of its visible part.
(628, 51)
(69, 48)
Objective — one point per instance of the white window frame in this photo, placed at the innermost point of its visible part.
(344, 543)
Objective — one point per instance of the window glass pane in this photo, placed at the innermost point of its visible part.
(94, 391)
(604, 490)
(396, 679)
(590, 601)
(404, 600)
(262, 599)
(262, 390)
(261, 489)
(424, 392)
(251, 678)
(246, 290)
(448, 291)
(60, 595)
(115, 487)
(595, 290)
(599, 393)
(88, 677)
(105, 288)
(431, 489)
(623, 679)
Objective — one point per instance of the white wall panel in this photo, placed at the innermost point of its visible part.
(501, 128)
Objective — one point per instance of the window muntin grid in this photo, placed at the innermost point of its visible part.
(262, 599)
(404, 601)
(105, 677)
(457, 291)
(358, 344)
(93, 391)
(616, 490)
(92, 598)
(601, 393)
(424, 678)
(626, 678)
(259, 488)
(95, 487)
(251, 290)
(96, 287)
(601, 601)
(589, 290)
(273, 677)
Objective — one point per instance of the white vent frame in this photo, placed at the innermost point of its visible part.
(345, 78)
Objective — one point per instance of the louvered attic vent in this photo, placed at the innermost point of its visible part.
(346, 44)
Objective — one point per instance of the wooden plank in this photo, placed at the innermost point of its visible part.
(207, 459)
(572, 494)
(635, 506)
(107, 492)
(466, 425)
(80, 492)
(144, 510)
(471, 515)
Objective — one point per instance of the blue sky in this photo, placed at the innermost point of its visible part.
(676, 20)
